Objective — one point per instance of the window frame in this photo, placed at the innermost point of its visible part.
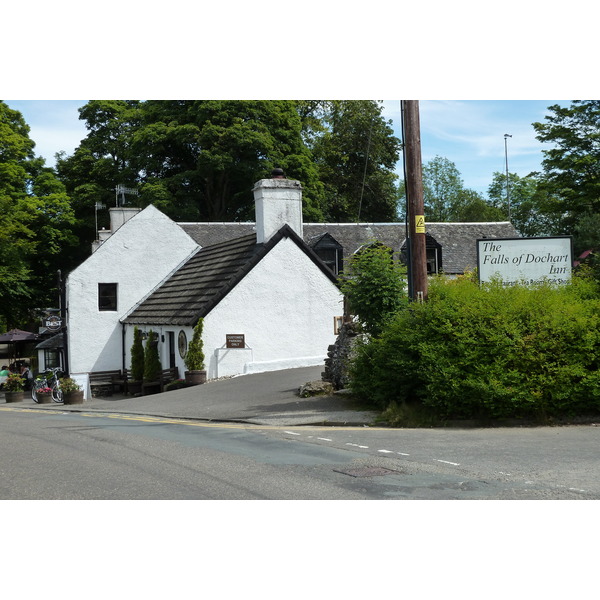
(112, 297)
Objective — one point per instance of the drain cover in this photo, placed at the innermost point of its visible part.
(366, 472)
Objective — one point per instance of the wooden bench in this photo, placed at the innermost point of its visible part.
(106, 382)
(166, 376)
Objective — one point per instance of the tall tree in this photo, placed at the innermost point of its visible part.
(356, 153)
(571, 167)
(531, 207)
(36, 220)
(193, 159)
(442, 185)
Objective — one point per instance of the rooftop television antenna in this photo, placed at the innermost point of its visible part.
(122, 190)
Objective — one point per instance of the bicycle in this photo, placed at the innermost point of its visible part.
(50, 380)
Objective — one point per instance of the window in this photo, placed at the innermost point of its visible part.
(51, 359)
(433, 250)
(107, 296)
(329, 251)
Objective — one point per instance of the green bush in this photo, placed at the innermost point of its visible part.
(137, 356)
(194, 359)
(488, 352)
(152, 366)
(374, 284)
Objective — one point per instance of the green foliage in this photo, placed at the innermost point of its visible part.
(68, 385)
(152, 366)
(572, 165)
(356, 154)
(447, 200)
(14, 383)
(488, 352)
(36, 222)
(137, 356)
(374, 284)
(194, 359)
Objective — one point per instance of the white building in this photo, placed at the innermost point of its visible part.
(266, 293)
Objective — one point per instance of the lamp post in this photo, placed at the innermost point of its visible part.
(507, 135)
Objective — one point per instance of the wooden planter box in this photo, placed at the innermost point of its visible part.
(14, 396)
(44, 398)
(195, 377)
(73, 398)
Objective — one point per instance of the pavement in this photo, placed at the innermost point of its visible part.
(261, 398)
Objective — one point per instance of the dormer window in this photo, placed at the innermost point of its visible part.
(330, 251)
(433, 252)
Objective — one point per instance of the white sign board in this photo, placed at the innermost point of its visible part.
(525, 260)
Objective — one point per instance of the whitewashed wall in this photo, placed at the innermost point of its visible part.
(285, 307)
(138, 256)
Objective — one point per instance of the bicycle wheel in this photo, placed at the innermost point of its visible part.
(38, 383)
(57, 394)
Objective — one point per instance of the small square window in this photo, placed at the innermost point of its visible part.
(107, 296)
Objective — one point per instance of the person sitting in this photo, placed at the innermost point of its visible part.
(4, 373)
(26, 375)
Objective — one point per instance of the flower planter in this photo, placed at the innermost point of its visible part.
(44, 398)
(73, 397)
(134, 388)
(14, 396)
(195, 377)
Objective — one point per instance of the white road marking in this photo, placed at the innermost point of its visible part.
(402, 453)
(386, 451)
(325, 439)
(448, 462)
(291, 432)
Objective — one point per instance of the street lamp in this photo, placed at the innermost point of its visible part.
(507, 135)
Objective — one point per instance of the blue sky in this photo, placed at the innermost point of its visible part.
(470, 133)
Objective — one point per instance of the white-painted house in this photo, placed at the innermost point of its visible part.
(268, 287)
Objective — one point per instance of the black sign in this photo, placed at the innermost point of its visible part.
(235, 340)
(53, 323)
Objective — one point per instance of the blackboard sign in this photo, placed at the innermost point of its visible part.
(235, 340)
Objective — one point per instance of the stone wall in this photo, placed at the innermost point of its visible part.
(336, 364)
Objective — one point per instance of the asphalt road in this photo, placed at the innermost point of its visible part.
(65, 455)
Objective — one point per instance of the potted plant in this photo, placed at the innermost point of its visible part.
(72, 393)
(43, 395)
(152, 366)
(134, 385)
(194, 359)
(13, 388)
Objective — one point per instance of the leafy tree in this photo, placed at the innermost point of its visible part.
(356, 153)
(36, 223)
(194, 359)
(152, 366)
(442, 186)
(195, 160)
(137, 356)
(374, 285)
(530, 204)
(447, 200)
(571, 168)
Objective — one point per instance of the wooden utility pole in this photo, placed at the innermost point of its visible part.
(414, 196)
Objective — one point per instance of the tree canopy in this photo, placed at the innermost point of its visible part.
(36, 221)
(571, 167)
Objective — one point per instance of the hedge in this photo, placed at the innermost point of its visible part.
(488, 352)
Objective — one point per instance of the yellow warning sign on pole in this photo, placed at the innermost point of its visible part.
(420, 224)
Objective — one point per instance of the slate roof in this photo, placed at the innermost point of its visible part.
(204, 280)
(458, 240)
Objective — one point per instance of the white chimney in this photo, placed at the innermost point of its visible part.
(120, 214)
(277, 201)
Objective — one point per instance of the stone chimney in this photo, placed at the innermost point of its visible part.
(278, 201)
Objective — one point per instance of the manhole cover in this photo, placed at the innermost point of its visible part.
(366, 472)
